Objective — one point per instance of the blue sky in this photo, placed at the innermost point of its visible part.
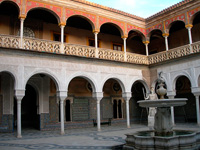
(141, 8)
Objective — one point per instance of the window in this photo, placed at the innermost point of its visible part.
(91, 42)
(27, 33)
(117, 108)
(57, 37)
(117, 47)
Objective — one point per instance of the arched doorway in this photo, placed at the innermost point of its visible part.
(29, 109)
(112, 104)
(7, 82)
(135, 44)
(178, 35)
(137, 113)
(157, 42)
(186, 113)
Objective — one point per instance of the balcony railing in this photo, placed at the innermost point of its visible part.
(100, 53)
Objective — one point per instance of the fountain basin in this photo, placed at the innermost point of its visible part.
(147, 140)
(163, 102)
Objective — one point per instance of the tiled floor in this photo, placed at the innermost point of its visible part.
(111, 137)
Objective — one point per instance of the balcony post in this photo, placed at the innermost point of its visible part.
(189, 27)
(21, 31)
(96, 42)
(124, 38)
(165, 35)
(62, 26)
(146, 45)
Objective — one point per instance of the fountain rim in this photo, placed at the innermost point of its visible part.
(163, 102)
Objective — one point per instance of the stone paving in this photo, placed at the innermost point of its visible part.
(110, 138)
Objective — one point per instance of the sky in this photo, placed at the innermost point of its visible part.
(141, 8)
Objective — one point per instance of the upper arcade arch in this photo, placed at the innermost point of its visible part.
(44, 13)
(178, 34)
(10, 8)
(157, 41)
(55, 10)
(80, 21)
(107, 27)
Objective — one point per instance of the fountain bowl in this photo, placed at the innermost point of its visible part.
(163, 102)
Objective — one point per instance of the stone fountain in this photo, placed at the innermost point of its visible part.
(163, 137)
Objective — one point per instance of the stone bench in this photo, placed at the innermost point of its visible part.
(103, 122)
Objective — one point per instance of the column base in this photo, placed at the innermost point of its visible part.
(128, 127)
(19, 136)
(62, 133)
(98, 129)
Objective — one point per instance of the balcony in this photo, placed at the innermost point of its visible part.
(8, 41)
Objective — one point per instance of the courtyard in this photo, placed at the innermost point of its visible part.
(109, 138)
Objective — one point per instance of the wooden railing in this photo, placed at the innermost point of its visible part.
(8, 41)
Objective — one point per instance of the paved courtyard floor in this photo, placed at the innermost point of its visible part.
(110, 138)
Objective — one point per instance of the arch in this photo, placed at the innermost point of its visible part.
(13, 75)
(172, 23)
(153, 31)
(141, 80)
(46, 72)
(85, 18)
(56, 15)
(191, 20)
(174, 79)
(86, 77)
(115, 25)
(17, 4)
(139, 34)
(118, 79)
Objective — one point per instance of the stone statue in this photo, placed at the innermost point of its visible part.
(152, 110)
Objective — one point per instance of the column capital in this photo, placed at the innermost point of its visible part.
(189, 26)
(62, 24)
(196, 91)
(22, 17)
(97, 95)
(171, 93)
(124, 37)
(19, 94)
(165, 34)
(62, 95)
(127, 96)
(146, 42)
(95, 31)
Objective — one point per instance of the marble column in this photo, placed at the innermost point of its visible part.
(165, 35)
(96, 42)
(189, 27)
(19, 94)
(172, 111)
(124, 39)
(146, 45)
(98, 97)
(127, 96)
(197, 109)
(62, 95)
(21, 31)
(62, 26)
